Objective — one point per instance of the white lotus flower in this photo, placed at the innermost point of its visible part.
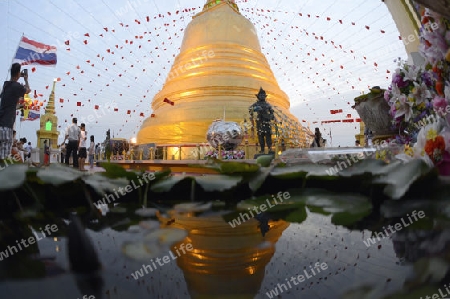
(411, 73)
(421, 92)
(447, 93)
(404, 107)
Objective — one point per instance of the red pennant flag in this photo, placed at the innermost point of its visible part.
(166, 100)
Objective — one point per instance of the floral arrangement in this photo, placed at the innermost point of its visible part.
(226, 155)
(417, 93)
(435, 47)
(410, 96)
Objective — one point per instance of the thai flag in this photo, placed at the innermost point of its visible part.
(31, 52)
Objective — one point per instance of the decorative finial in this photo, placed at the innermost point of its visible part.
(261, 94)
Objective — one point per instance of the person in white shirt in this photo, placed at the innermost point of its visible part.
(28, 149)
(82, 153)
(73, 135)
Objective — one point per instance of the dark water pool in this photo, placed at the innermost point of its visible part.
(228, 262)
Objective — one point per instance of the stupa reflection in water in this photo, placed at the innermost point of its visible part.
(226, 262)
(220, 68)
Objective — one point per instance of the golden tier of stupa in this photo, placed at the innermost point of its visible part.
(219, 70)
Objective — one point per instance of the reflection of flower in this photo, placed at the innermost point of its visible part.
(226, 155)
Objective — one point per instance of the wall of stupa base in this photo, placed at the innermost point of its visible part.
(200, 151)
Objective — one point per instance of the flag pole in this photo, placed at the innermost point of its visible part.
(9, 71)
(18, 45)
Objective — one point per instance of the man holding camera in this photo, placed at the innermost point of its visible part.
(11, 93)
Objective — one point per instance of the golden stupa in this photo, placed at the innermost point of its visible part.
(218, 72)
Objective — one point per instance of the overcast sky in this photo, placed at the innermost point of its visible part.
(105, 67)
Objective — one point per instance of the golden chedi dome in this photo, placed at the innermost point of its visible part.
(220, 69)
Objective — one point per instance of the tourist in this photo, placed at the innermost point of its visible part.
(368, 135)
(15, 149)
(91, 152)
(73, 135)
(82, 153)
(97, 152)
(46, 154)
(63, 148)
(28, 149)
(318, 140)
(10, 95)
(357, 143)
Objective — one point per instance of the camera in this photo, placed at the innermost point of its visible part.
(24, 72)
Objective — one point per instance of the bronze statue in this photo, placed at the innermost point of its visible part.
(265, 115)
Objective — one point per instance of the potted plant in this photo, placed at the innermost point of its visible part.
(374, 112)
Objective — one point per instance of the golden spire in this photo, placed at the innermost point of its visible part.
(220, 66)
(211, 3)
(50, 109)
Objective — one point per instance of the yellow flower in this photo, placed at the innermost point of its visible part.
(431, 134)
(421, 106)
(409, 151)
(381, 155)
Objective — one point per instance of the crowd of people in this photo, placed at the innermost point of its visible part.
(78, 147)
(20, 150)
